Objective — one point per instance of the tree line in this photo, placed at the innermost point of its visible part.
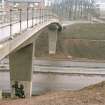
(75, 9)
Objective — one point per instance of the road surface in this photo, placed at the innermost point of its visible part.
(64, 66)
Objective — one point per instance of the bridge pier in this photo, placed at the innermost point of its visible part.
(52, 33)
(21, 70)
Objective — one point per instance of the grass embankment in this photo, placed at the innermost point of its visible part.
(85, 31)
(78, 41)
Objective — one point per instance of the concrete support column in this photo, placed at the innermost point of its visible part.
(21, 70)
(52, 40)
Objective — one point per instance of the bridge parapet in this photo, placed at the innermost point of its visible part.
(17, 20)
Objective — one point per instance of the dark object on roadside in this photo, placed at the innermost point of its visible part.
(22, 95)
(19, 91)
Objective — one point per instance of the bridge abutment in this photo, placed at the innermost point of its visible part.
(21, 71)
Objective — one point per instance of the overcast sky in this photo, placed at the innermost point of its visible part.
(102, 4)
(103, 1)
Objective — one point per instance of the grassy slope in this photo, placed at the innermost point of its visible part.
(78, 41)
(85, 41)
(85, 31)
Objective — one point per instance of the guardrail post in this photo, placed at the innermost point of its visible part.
(40, 16)
(46, 14)
(35, 16)
(20, 18)
(27, 17)
(32, 17)
(10, 23)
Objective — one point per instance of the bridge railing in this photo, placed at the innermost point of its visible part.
(15, 21)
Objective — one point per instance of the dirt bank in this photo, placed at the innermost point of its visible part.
(92, 95)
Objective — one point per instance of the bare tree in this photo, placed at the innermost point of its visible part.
(74, 9)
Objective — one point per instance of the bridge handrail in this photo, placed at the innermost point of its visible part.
(33, 15)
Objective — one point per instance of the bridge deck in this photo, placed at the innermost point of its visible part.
(10, 45)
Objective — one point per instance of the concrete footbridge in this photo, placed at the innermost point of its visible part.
(17, 39)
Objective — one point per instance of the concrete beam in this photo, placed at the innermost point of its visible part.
(21, 69)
